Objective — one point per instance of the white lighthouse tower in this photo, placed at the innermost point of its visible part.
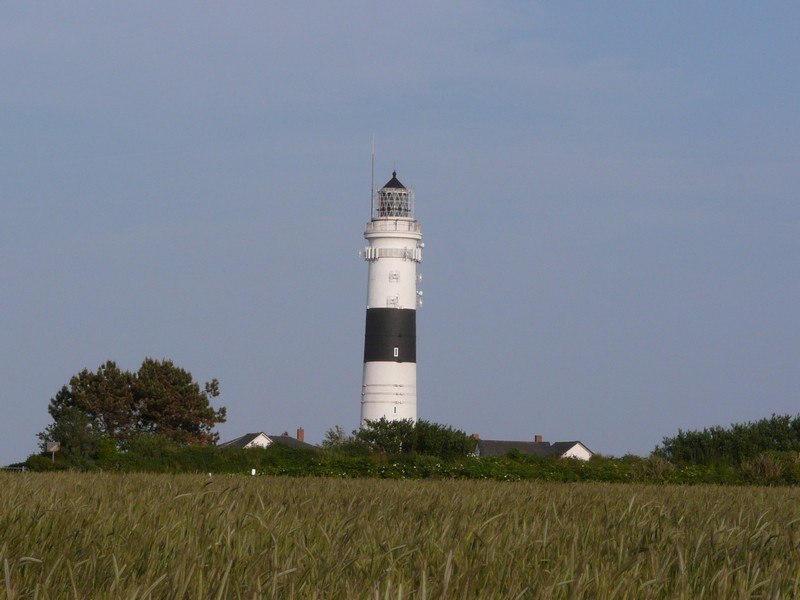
(390, 343)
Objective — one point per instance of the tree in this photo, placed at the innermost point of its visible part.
(106, 397)
(443, 441)
(74, 430)
(337, 440)
(171, 404)
(422, 437)
(391, 437)
(118, 406)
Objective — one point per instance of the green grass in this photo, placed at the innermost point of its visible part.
(67, 535)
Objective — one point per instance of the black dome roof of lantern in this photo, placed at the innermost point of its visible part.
(394, 182)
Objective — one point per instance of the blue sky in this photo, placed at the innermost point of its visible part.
(608, 195)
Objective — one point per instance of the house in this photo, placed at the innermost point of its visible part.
(262, 440)
(537, 447)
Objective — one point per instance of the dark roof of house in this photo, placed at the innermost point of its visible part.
(394, 182)
(562, 447)
(286, 440)
(242, 441)
(541, 449)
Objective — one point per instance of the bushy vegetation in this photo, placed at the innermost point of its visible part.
(733, 446)
(762, 453)
(155, 454)
(68, 535)
(410, 437)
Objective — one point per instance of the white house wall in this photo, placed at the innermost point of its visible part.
(578, 451)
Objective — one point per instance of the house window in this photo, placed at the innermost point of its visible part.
(396, 351)
(394, 275)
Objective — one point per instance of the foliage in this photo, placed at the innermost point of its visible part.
(152, 446)
(102, 411)
(170, 403)
(337, 440)
(75, 430)
(159, 454)
(41, 463)
(389, 437)
(102, 535)
(733, 446)
(396, 450)
(442, 441)
(422, 437)
(107, 398)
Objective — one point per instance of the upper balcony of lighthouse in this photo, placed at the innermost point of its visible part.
(393, 218)
(394, 201)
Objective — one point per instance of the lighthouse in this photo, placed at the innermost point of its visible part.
(394, 248)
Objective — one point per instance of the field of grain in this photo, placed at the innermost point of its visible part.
(191, 536)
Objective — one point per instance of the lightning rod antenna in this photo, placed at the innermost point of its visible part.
(372, 182)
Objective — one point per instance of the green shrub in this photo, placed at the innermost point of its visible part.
(39, 462)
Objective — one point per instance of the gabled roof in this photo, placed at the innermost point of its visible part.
(564, 447)
(540, 449)
(501, 447)
(263, 440)
(394, 183)
(288, 440)
(245, 440)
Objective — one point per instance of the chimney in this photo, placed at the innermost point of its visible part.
(475, 436)
(301, 434)
(537, 439)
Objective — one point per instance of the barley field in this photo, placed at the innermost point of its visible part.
(71, 535)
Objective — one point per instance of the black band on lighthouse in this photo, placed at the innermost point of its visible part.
(391, 335)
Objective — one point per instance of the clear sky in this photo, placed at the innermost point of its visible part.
(608, 194)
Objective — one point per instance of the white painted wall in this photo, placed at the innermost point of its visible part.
(393, 276)
(262, 441)
(578, 451)
(389, 389)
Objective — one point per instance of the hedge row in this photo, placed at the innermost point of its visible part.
(771, 468)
